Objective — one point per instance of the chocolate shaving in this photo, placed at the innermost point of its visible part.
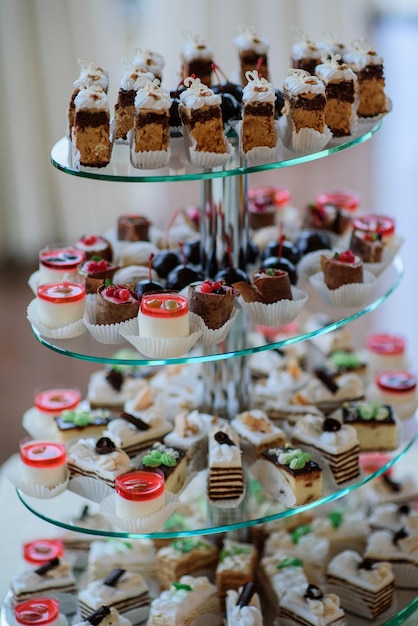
(366, 564)
(404, 509)
(135, 421)
(104, 445)
(394, 486)
(326, 378)
(113, 578)
(222, 437)
(115, 379)
(98, 615)
(400, 534)
(313, 592)
(84, 513)
(331, 425)
(46, 567)
(246, 594)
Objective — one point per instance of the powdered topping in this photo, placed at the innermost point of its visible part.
(361, 55)
(151, 96)
(91, 75)
(149, 61)
(194, 47)
(258, 89)
(135, 78)
(300, 81)
(198, 95)
(350, 566)
(331, 68)
(247, 39)
(92, 98)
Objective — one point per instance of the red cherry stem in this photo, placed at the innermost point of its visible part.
(282, 239)
(183, 256)
(150, 259)
(217, 71)
(259, 64)
(229, 254)
(169, 227)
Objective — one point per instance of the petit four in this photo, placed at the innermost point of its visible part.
(226, 473)
(253, 52)
(60, 304)
(170, 461)
(97, 458)
(163, 315)
(54, 576)
(43, 463)
(187, 555)
(236, 566)
(139, 493)
(91, 134)
(376, 424)
(115, 304)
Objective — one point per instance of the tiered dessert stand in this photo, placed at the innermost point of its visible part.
(226, 364)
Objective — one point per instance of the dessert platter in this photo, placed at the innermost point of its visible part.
(234, 458)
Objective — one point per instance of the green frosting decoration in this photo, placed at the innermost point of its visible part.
(188, 544)
(122, 542)
(155, 458)
(300, 531)
(336, 518)
(233, 551)
(372, 411)
(179, 586)
(295, 459)
(290, 561)
(342, 359)
(78, 417)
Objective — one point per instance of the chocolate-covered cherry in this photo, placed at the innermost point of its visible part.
(148, 286)
(165, 261)
(183, 275)
(278, 104)
(312, 240)
(286, 248)
(192, 251)
(231, 275)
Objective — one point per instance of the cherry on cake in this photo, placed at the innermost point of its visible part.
(95, 245)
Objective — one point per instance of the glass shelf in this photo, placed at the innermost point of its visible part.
(179, 169)
(196, 516)
(241, 341)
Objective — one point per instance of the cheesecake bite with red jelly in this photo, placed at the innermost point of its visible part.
(60, 304)
(163, 315)
(43, 463)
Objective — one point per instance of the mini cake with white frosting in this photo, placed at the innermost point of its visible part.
(196, 57)
(105, 616)
(258, 111)
(91, 75)
(151, 123)
(91, 138)
(186, 555)
(257, 432)
(281, 572)
(97, 458)
(400, 549)
(364, 588)
(226, 474)
(53, 576)
(305, 54)
(243, 607)
(310, 605)
(253, 52)
(236, 566)
(107, 555)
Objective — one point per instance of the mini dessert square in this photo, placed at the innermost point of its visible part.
(79, 423)
(336, 443)
(95, 245)
(132, 80)
(226, 474)
(105, 616)
(200, 113)
(54, 576)
(196, 58)
(91, 75)
(139, 493)
(253, 52)
(364, 587)
(188, 555)
(190, 432)
(111, 387)
(297, 469)
(375, 423)
(96, 271)
(243, 606)
(368, 66)
(105, 555)
(327, 391)
(236, 566)
(302, 605)
(172, 462)
(133, 227)
(341, 92)
(368, 246)
(185, 600)
(149, 61)
(97, 458)
(125, 591)
(116, 304)
(257, 432)
(92, 145)
(399, 549)
(341, 269)
(151, 128)
(279, 573)
(304, 100)
(258, 113)
(267, 286)
(136, 431)
(305, 54)
(327, 217)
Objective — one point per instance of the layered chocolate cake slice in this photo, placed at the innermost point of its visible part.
(226, 473)
(151, 125)
(368, 66)
(253, 52)
(92, 146)
(268, 286)
(258, 113)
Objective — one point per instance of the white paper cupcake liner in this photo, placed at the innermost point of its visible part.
(395, 244)
(306, 141)
(163, 347)
(34, 491)
(261, 153)
(277, 313)
(91, 488)
(65, 332)
(205, 159)
(211, 337)
(273, 483)
(150, 159)
(151, 523)
(107, 333)
(346, 296)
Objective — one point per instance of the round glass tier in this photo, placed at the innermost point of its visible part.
(242, 339)
(195, 515)
(179, 169)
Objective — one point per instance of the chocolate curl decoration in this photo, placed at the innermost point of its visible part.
(135, 421)
(222, 438)
(183, 256)
(115, 379)
(48, 566)
(325, 377)
(246, 594)
(98, 616)
(313, 592)
(331, 425)
(400, 534)
(394, 485)
(114, 576)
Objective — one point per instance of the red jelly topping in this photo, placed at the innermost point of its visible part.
(62, 258)
(57, 400)
(164, 305)
(381, 224)
(398, 381)
(382, 343)
(140, 485)
(345, 200)
(61, 293)
(93, 267)
(42, 550)
(37, 611)
(43, 454)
